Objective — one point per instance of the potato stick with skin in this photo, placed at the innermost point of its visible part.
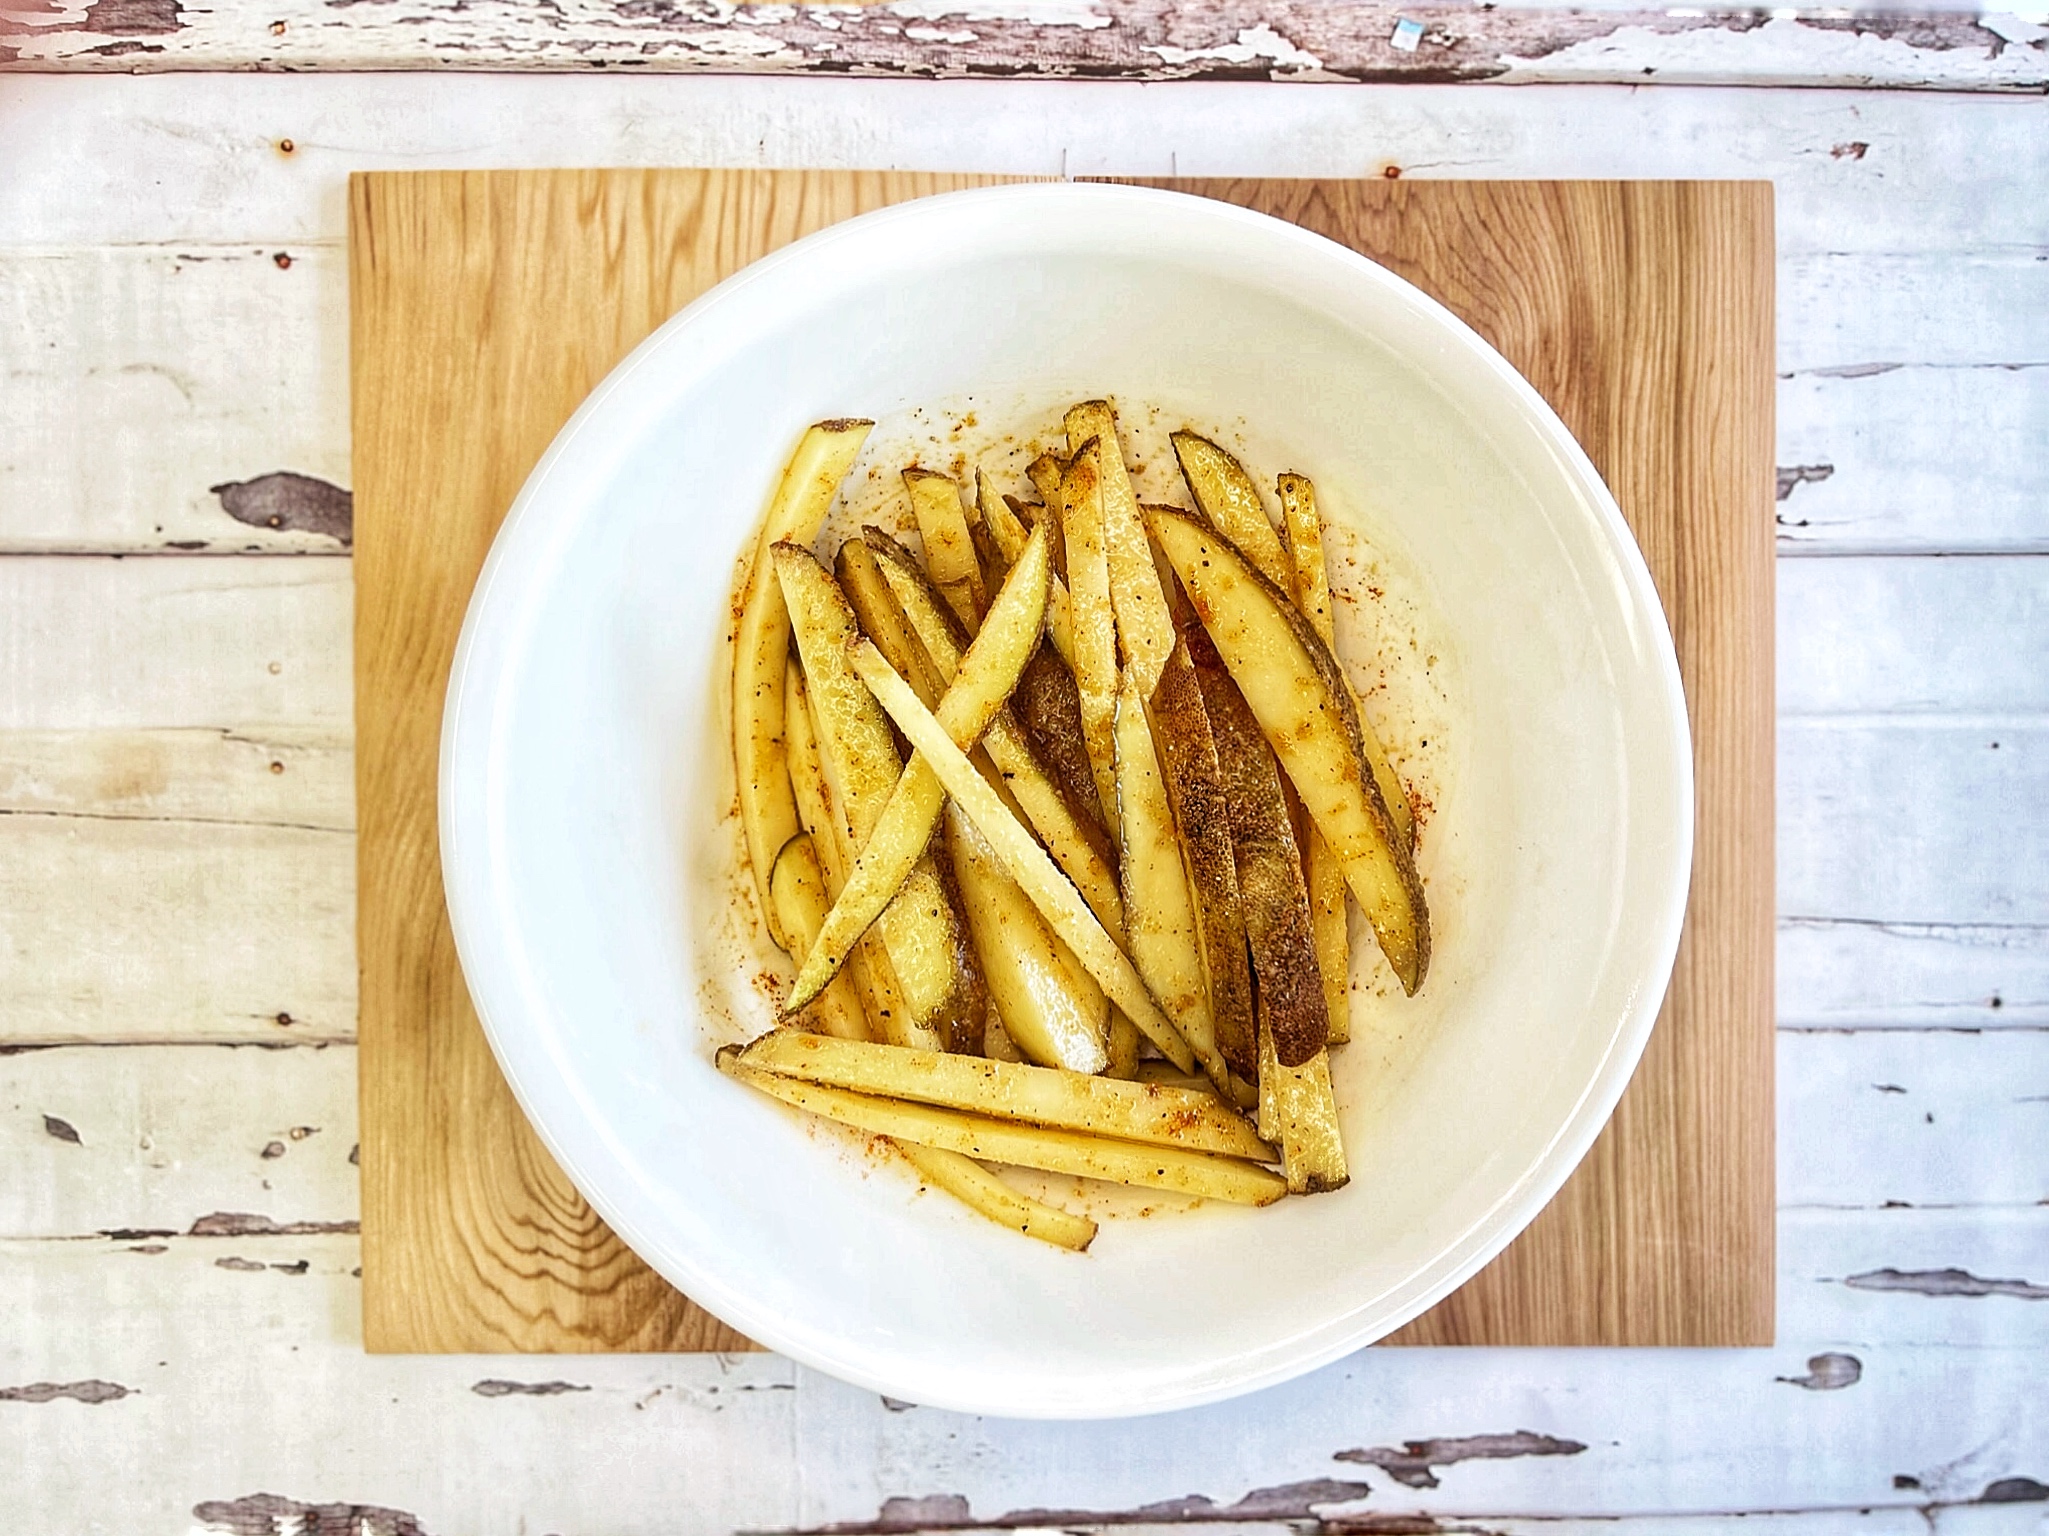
(949, 546)
(1187, 1117)
(1203, 1174)
(1050, 1010)
(1311, 587)
(881, 1001)
(976, 1187)
(1226, 496)
(799, 889)
(1020, 853)
(1278, 926)
(1144, 628)
(986, 675)
(761, 643)
(1045, 473)
(1080, 510)
(1188, 762)
(1288, 677)
(1009, 532)
(922, 926)
(869, 969)
(1047, 708)
(1159, 911)
(1076, 842)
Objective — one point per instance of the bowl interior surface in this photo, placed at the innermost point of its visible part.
(606, 924)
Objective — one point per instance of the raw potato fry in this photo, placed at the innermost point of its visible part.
(1094, 619)
(1312, 596)
(1125, 1042)
(975, 1186)
(1144, 628)
(1270, 884)
(1047, 707)
(1203, 1174)
(1159, 912)
(1008, 531)
(1021, 854)
(1186, 1117)
(900, 835)
(761, 642)
(921, 927)
(1076, 842)
(1287, 676)
(1226, 496)
(798, 886)
(869, 969)
(1051, 1009)
(1045, 473)
(1188, 760)
(949, 546)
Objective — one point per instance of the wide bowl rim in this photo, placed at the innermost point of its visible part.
(477, 926)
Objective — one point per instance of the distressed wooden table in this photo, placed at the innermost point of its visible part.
(179, 1334)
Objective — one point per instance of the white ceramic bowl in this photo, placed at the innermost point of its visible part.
(591, 858)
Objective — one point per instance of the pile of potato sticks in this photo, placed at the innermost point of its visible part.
(1058, 822)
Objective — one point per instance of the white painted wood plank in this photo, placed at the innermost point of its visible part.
(1851, 974)
(1854, 172)
(1913, 879)
(155, 1139)
(98, 643)
(1967, 634)
(1679, 1430)
(1934, 821)
(1138, 39)
(1863, 310)
(1914, 1117)
(151, 1140)
(243, 1373)
(127, 929)
(698, 1444)
(1914, 460)
(279, 777)
(140, 378)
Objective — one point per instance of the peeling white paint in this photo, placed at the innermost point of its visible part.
(1260, 42)
(939, 35)
(1038, 13)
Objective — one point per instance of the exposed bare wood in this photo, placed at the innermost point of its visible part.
(1127, 39)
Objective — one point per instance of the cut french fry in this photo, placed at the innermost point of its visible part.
(869, 970)
(1047, 708)
(899, 837)
(1144, 628)
(1188, 1117)
(1311, 572)
(1278, 927)
(798, 887)
(1075, 840)
(1226, 496)
(1017, 850)
(1159, 912)
(1289, 679)
(1051, 1010)
(1092, 614)
(1125, 1043)
(1306, 1114)
(949, 545)
(1203, 1174)
(982, 1191)
(1009, 533)
(923, 931)
(761, 642)
(1045, 473)
(1188, 762)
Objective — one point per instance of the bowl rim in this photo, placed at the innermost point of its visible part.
(466, 734)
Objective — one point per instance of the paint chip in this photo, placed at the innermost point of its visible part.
(1407, 34)
(76, 1391)
(63, 1130)
(1828, 1373)
(1411, 1465)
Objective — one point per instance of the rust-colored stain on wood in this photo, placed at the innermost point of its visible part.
(1642, 311)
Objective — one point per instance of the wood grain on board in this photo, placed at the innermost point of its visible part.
(1642, 311)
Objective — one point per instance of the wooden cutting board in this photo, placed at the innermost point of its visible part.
(485, 305)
